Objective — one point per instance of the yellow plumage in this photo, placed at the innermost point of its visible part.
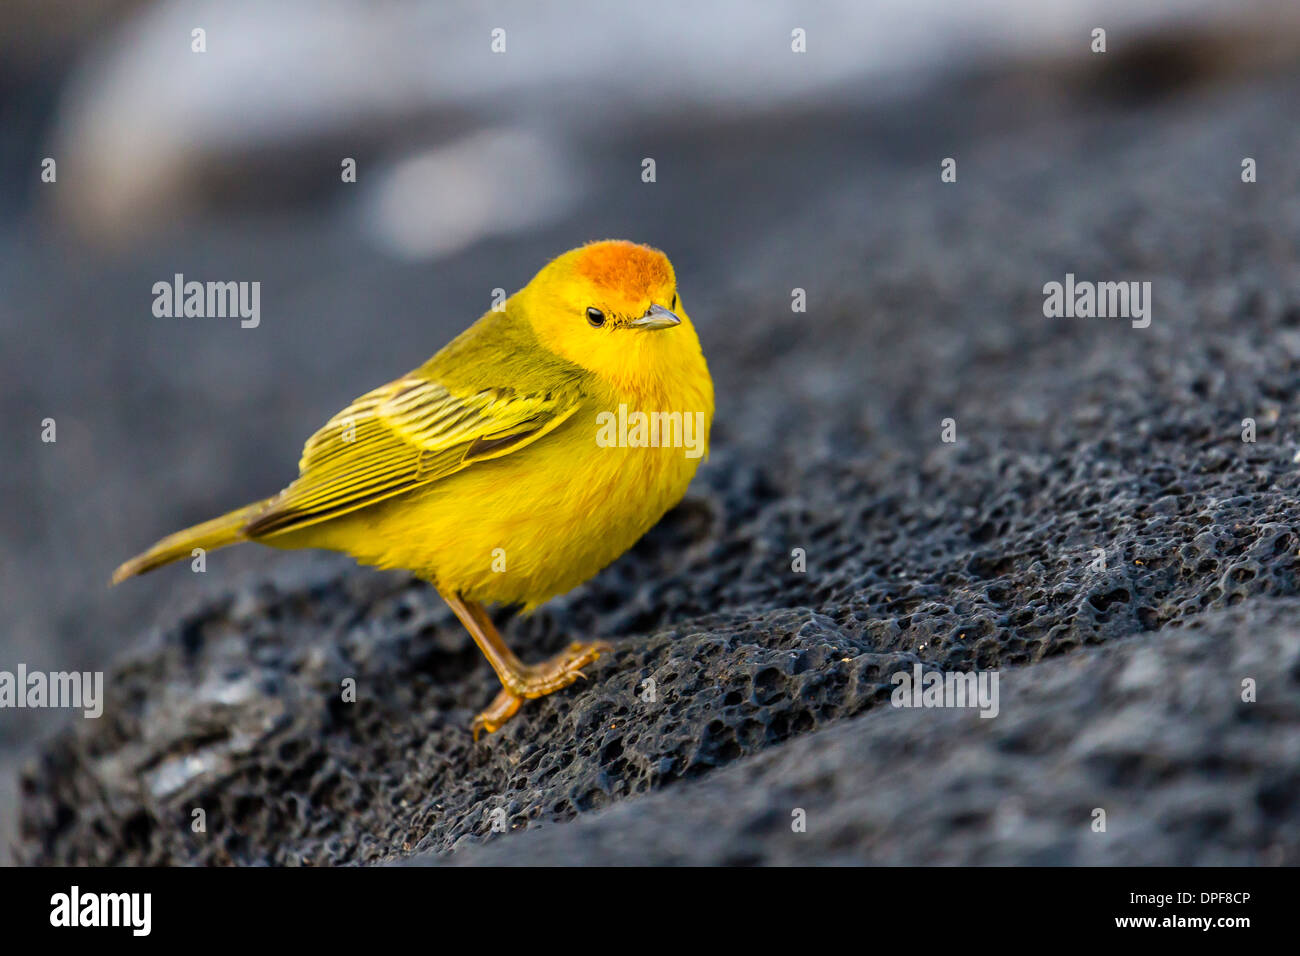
(481, 470)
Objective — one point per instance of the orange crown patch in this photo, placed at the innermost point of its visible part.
(624, 266)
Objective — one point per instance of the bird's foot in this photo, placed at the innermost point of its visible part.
(537, 680)
(501, 709)
(531, 681)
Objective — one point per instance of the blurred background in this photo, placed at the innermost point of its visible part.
(473, 167)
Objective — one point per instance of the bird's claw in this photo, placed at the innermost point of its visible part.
(538, 680)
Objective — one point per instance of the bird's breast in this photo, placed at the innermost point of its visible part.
(525, 527)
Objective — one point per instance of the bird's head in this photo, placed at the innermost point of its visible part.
(611, 307)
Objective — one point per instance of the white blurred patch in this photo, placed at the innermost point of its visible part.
(493, 183)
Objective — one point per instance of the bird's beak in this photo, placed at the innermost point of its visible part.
(656, 317)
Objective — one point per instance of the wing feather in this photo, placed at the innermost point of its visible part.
(401, 436)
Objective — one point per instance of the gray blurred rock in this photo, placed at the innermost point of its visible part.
(150, 131)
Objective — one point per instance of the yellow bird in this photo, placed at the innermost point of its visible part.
(504, 469)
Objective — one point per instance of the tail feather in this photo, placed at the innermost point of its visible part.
(210, 535)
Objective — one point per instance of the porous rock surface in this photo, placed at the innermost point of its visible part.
(1076, 439)
(1138, 753)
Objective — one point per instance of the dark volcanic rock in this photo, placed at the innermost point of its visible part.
(1152, 730)
(1074, 437)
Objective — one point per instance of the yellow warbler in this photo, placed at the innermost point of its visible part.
(529, 453)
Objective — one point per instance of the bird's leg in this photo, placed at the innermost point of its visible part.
(519, 681)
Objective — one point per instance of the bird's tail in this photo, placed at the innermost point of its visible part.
(210, 535)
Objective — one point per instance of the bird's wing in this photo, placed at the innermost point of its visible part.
(403, 435)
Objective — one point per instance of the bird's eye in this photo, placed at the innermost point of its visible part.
(595, 317)
(674, 305)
